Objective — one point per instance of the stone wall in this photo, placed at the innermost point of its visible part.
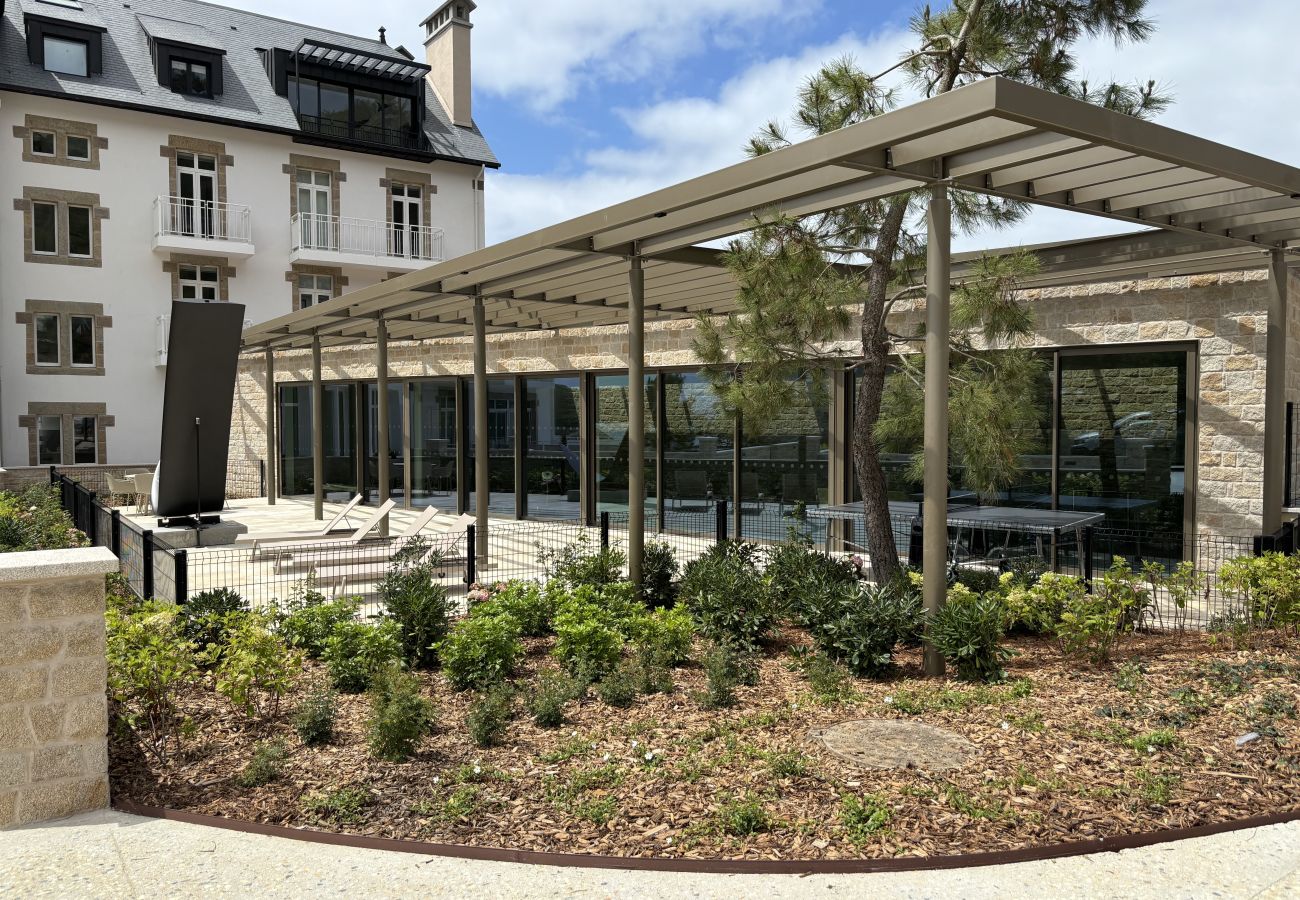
(1222, 315)
(93, 477)
(53, 683)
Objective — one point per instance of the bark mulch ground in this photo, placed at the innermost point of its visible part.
(1067, 751)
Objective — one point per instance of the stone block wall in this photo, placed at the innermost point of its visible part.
(1223, 315)
(53, 683)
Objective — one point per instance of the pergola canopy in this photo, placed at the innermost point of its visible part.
(1217, 206)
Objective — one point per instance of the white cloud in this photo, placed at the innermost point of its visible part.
(541, 53)
(1206, 52)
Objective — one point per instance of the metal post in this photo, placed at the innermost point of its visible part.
(115, 541)
(604, 530)
(720, 513)
(317, 430)
(469, 555)
(93, 531)
(181, 575)
(270, 465)
(1085, 553)
(635, 419)
(381, 411)
(1275, 393)
(481, 458)
(1288, 489)
(146, 565)
(935, 520)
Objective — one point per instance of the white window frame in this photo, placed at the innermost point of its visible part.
(54, 143)
(90, 232)
(41, 422)
(314, 290)
(198, 282)
(36, 339)
(72, 347)
(54, 206)
(50, 39)
(67, 147)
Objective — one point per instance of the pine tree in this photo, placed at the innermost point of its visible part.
(800, 281)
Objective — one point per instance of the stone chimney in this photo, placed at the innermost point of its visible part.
(446, 48)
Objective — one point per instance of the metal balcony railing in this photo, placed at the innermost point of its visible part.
(340, 234)
(204, 219)
(402, 139)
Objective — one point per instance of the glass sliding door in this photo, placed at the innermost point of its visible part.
(785, 465)
(611, 444)
(551, 458)
(698, 451)
(340, 439)
(295, 441)
(500, 446)
(396, 465)
(433, 443)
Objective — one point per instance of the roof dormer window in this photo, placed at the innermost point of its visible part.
(66, 57)
(64, 38)
(191, 77)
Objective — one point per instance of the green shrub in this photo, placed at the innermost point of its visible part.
(341, 806)
(906, 591)
(399, 715)
(719, 678)
(580, 563)
(741, 818)
(418, 603)
(207, 615)
(727, 595)
(480, 651)
(554, 690)
(1269, 586)
(857, 625)
(653, 677)
(658, 572)
(35, 520)
(314, 717)
(150, 666)
(254, 668)
(528, 603)
(968, 632)
(665, 634)
(828, 679)
(1091, 624)
(797, 574)
(307, 620)
(976, 580)
(1036, 608)
(587, 643)
(619, 687)
(265, 766)
(864, 817)
(489, 715)
(356, 651)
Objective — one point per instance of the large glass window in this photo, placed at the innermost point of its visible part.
(49, 440)
(699, 450)
(67, 57)
(611, 438)
(552, 463)
(500, 445)
(396, 465)
(334, 105)
(84, 448)
(79, 237)
(433, 443)
(358, 113)
(189, 77)
(785, 463)
(83, 340)
(295, 440)
(45, 228)
(47, 339)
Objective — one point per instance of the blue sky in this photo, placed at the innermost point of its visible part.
(588, 102)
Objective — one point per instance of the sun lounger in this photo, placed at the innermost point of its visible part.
(372, 566)
(307, 543)
(321, 532)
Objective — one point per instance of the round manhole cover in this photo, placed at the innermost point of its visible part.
(894, 744)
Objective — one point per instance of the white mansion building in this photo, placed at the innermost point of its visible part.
(173, 149)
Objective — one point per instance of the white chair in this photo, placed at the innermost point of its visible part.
(143, 493)
(119, 486)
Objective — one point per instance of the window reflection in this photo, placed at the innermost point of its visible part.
(551, 456)
(699, 449)
(785, 464)
(611, 439)
(433, 443)
(500, 445)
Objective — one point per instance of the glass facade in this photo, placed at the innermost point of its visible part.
(699, 449)
(552, 461)
(785, 463)
(396, 462)
(500, 445)
(433, 443)
(611, 438)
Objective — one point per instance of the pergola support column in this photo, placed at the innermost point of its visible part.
(935, 511)
(1275, 461)
(635, 418)
(272, 458)
(317, 430)
(481, 458)
(381, 410)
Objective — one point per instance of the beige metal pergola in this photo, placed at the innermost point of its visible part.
(1209, 207)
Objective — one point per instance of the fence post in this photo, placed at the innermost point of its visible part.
(146, 566)
(54, 475)
(93, 533)
(469, 554)
(1085, 553)
(182, 575)
(1288, 498)
(720, 509)
(604, 530)
(116, 536)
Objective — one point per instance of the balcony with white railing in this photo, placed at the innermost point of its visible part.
(203, 227)
(344, 241)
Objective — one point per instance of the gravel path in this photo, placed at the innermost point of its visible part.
(111, 854)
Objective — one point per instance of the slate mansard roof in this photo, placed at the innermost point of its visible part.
(249, 98)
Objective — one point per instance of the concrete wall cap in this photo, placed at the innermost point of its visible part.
(76, 562)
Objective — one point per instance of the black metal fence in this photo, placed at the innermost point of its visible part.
(1183, 569)
(1291, 486)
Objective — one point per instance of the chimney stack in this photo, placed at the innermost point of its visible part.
(446, 48)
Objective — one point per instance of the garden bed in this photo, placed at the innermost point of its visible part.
(1066, 752)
